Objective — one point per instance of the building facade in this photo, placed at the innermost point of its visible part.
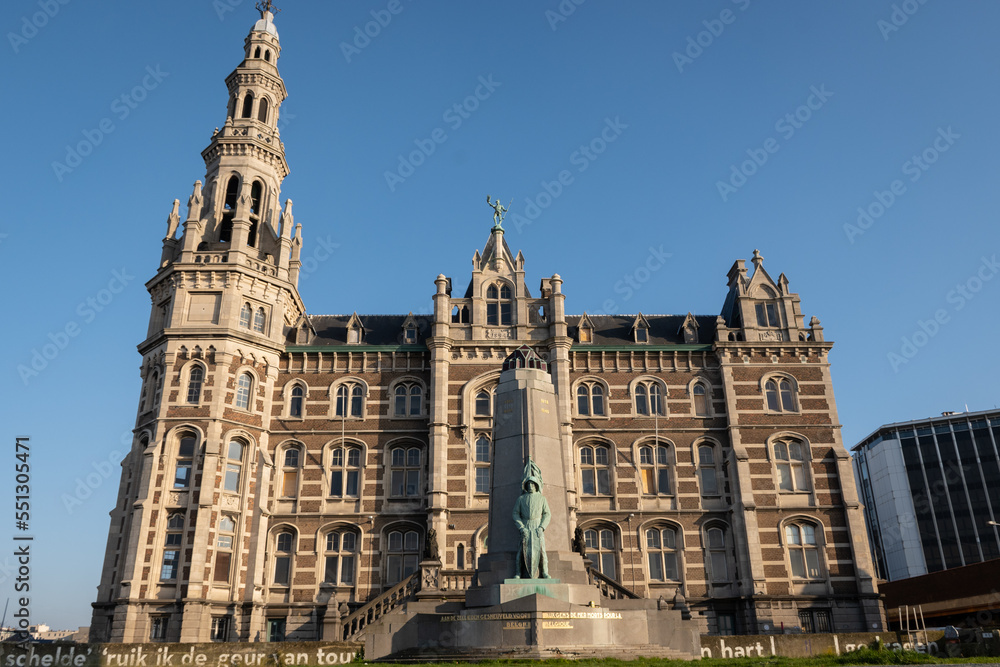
(288, 467)
(931, 491)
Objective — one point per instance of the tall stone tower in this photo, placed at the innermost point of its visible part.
(184, 528)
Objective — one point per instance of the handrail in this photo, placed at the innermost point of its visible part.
(609, 587)
(376, 608)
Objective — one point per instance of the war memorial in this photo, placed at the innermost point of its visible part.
(531, 595)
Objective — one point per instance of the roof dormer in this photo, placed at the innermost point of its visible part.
(355, 330)
(640, 329)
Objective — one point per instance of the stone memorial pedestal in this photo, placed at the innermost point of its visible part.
(515, 610)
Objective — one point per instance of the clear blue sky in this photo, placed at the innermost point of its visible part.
(885, 95)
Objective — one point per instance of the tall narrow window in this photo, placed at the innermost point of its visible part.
(483, 407)
(460, 557)
(295, 401)
(259, 320)
(641, 400)
(654, 468)
(595, 472)
(404, 472)
(185, 462)
(228, 210)
(224, 548)
(172, 547)
(234, 466)
(290, 473)
(717, 555)
(498, 305)
(283, 558)
(157, 388)
(341, 548)
(262, 110)
(789, 459)
(195, 378)
(403, 555)
(482, 464)
(243, 385)
(700, 397)
(345, 472)
(246, 313)
(708, 474)
(803, 554)
(601, 550)
(247, 106)
(661, 550)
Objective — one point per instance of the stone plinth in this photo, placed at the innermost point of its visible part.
(534, 626)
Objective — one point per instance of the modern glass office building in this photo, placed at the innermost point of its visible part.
(931, 490)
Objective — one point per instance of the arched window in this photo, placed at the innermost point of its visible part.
(350, 396)
(460, 557)
(403, 555)
(345, 472)
(717, 560)
(172, 549)
(708, 471)
(247, 106)
(404, 472)
(790, 461)
(661, 554)
(295, 401)
(780, 395)
(700, 397)
(157, 383)
(484, 407)
(195, 377)
(590, 399)
(185, 461)
(224, 548)
(246, 313)
(267, 55)
(290, 472)
(595, 471)
(243, 387)
(408, 400)
(256, 53)
(649, 398)
(234, 466)
(498, 305)
(654, 468)
(602, 550)
(483, 464)
(262, 110)
(341, 552)
(259, 320)
(284, 547)
(228, 210)
(803, 552)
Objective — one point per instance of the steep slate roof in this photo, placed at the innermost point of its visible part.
(608, 329)
(379, 329)
(663, 329)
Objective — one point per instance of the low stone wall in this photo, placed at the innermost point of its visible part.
(802, 646)
(283, 654)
